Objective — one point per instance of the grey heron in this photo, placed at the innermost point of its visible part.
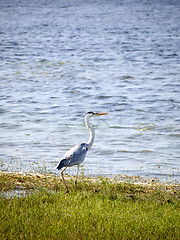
(77, 154)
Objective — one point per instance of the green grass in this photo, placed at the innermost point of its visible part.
(99, 209)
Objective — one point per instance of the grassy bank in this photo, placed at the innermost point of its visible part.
(99, 209)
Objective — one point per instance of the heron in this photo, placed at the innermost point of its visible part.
(77, 154)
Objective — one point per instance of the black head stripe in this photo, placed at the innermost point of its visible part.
(90, 113)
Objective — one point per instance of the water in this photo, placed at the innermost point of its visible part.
(60, 59)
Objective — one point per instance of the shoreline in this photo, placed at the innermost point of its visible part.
(20, 180)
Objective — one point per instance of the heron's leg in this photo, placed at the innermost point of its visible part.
(64, 180)
(76, 175)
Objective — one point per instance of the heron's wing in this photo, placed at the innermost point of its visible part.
(74, 156)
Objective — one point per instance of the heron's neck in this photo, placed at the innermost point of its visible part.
(92, 132)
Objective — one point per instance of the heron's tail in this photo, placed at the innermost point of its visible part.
(61, 164)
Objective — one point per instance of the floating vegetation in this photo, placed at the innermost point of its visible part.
(142, 127)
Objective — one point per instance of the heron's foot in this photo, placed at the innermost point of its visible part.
(75, 184)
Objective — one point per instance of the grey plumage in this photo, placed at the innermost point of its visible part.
(74, 156)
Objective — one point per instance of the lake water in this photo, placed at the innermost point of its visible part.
(60, 59)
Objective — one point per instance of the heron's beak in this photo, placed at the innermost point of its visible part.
(97, 114)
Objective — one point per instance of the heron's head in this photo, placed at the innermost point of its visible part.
(93, 114)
